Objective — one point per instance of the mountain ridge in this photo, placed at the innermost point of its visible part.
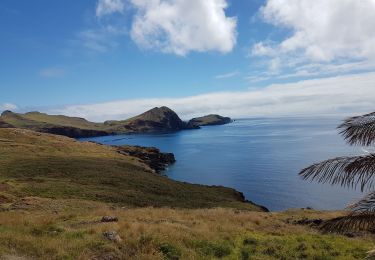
(156, 120)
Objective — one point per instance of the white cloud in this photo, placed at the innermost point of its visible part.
(227, 75)
(8, 106)
(336, 95)
(52, 73)
(108, 7)
(325, 32)
(181, 26)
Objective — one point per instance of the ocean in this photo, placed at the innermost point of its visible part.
(260, 157)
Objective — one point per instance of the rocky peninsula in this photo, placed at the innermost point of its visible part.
(156, 120)
(209, 120)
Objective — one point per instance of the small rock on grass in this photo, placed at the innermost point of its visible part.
(112, 235)
(109, 219)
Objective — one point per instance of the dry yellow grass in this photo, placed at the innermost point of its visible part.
(71, 229)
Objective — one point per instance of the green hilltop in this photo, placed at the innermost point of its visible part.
(156, 120)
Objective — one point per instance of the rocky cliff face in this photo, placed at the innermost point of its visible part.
(209, 120)
(72, 132)
(150, 156)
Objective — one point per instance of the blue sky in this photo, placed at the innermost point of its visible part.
(84, 57)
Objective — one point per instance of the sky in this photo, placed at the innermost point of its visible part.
(112, 59)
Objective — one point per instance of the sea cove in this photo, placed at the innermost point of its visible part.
(260, 157)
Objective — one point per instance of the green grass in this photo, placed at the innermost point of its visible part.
(154, 120)
(62, 120)
(34, 164)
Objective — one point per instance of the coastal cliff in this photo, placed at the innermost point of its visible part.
(150, 156)
(52, 166)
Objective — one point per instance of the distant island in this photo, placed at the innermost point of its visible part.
(209, 120)
(156, 120)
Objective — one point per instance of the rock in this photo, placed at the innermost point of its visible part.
(112, 235)
(109, 219)
(150, 156)
(209, 120)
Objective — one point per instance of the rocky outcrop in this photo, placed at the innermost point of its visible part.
(112, 236)
(156, 120)
(107, 219)
(209, 120)
(5, 125)
(150, 156)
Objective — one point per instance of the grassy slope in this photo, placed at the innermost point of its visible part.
(63, 120)
(155, 120)
(71, 229)
(58, 124)
(35, 164)
(146, 122)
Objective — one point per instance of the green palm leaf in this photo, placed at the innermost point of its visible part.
(345, 171)
(359, 130)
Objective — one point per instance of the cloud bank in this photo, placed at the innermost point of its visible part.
(336, 95)
(321, 33)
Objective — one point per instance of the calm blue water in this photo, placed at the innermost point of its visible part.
(259, 157)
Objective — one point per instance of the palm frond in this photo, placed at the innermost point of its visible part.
(367, 204)
(359, 130)
(345, 171)
(353, 222)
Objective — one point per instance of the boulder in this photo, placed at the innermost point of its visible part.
(112, 236)
(109, 219)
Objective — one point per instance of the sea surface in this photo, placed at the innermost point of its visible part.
(260, 157)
